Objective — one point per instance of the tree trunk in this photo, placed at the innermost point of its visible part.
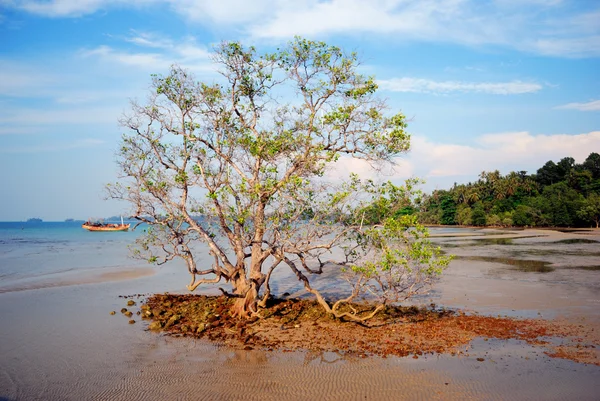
(247, 299)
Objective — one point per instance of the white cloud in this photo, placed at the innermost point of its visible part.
(56, 147)
(65, 8)
(226, 11)
(342, 169)
(442, 164)
(20, 80)
(550, 27)
(512, 151)
(543, 28)
(428, 86)
(28, 117)
(143, 60)
(185, 52)
(593, 105)
(20, 130)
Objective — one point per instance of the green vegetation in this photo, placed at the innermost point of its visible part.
(563, 194)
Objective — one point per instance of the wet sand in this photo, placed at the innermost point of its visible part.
(81, 277)
(61, 342)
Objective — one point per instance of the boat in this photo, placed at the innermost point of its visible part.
(96, 226)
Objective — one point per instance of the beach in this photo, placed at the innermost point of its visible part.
(59, 341)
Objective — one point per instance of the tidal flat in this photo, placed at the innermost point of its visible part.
(61, 342)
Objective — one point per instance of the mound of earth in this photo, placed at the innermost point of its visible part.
(294, 324)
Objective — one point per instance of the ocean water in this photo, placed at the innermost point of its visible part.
(47, 254)
(33, 253)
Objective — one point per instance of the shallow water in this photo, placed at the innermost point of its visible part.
(59, 342)
(524, 265)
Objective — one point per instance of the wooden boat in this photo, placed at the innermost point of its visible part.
(105, 227)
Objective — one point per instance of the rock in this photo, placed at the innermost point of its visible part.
(128, 314)
(112, 312)
(131, 302)
(155, 326)
(172, 321)
(123, 310)
(131, 321)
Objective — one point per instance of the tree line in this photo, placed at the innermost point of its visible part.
(562, 194)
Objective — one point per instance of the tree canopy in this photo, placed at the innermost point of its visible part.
(240, 164)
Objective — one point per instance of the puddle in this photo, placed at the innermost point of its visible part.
(591, 268)
(576, 241)
(489, 241)
(546, 252)
(478, 242)
(494, 241)
(537, 266)
(574, 230)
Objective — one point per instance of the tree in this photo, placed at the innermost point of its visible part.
(590, 210)
(478, 217)
(448, 207)
(548, 174)
(234, 165)
(523, 216)
(463, 215)
(561, 204)
(564, 167)
(592, 164)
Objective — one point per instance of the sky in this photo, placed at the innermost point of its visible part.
(486, 84)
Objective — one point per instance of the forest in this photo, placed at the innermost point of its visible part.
(562, 194)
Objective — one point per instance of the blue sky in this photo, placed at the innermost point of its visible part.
(487, 84)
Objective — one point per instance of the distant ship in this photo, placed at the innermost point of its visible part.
(96, 226)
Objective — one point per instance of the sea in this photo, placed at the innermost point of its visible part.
(45, 254)
(41, 254)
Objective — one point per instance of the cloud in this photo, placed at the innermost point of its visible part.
(143, 60)
(593, 105)
(512, 151)
(65, 8)
(56, 147)
(21, 80)
(84, 116)
(442, 164)
(230, 12)
(342, 169)
(548, 27)
(429, 86)
(185, 52)
(20, 130)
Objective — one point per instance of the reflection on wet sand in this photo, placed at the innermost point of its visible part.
(519, 264)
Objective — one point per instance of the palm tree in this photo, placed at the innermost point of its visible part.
(473, 195)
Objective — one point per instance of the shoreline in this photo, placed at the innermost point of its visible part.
(83, 277)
